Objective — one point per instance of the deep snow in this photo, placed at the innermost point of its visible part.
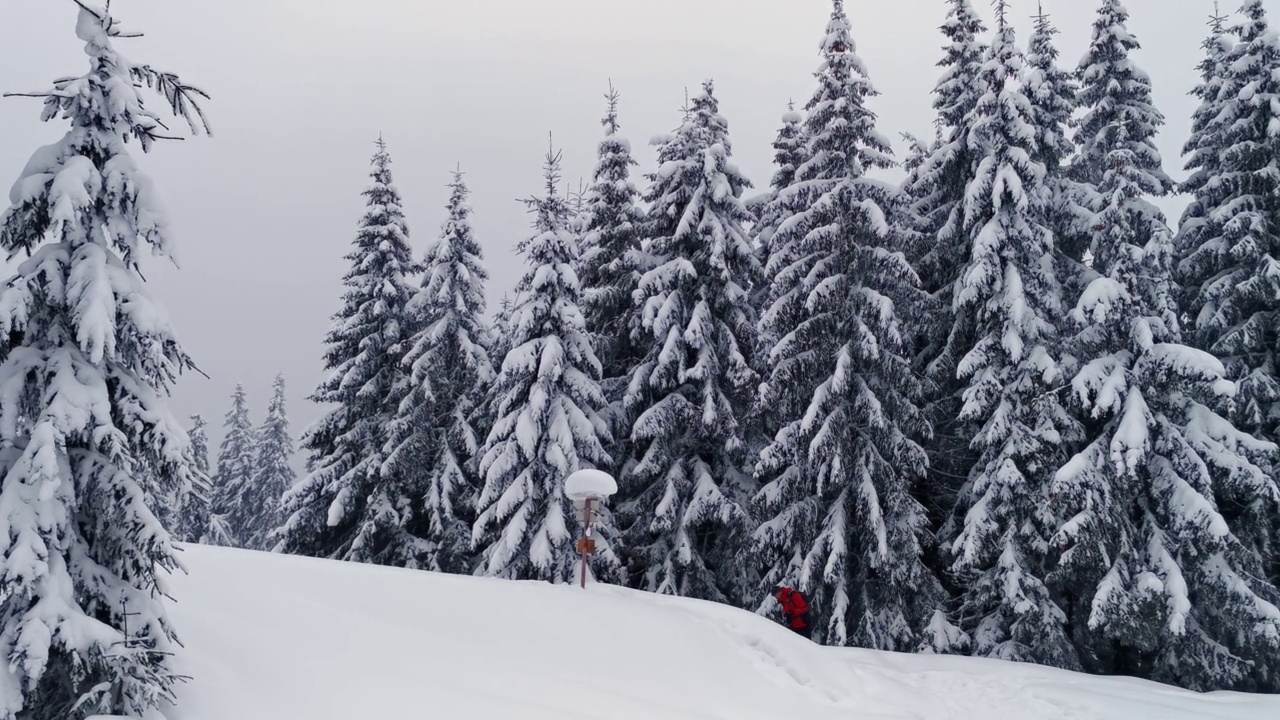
(271, 637)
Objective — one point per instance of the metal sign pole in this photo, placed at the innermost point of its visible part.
(586, 525)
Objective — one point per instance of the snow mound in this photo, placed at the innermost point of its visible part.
(270, 637)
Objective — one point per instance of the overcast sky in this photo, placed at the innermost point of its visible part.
(265, 210)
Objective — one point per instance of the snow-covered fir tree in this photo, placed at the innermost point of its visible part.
(841, 522)
(1115, 97)
(610, 266)
(1154, 580)
(778, 297)
(232, 511)
(936, 189)
(1203, 150)
(548, 422)
(344, 508)
(1010, 288)
(686, 488)
(1232, 255)
(1052, 91)
(192, 504)
(86, 361)
(788, 155)
(435, 439)
(273, 473)
(500, 341)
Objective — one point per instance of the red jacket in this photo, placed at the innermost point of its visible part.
(794, 607)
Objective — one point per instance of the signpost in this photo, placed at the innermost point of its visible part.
(586, 488)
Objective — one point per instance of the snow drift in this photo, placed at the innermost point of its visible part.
(270, 637)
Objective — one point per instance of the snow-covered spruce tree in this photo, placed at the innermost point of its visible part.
(1115, 97)
(840, 520)
(499, 340)
(788, 155)
(499, 345)
(272, 474)
(777, 297)
(344, 508)
(686, 489)
(610, 266)
(434, 439)
(1203, 150)
(1154, 581)
(1232, 261)
(1053, 94)
(193, 503)
(232, 510)
(935, 188)
(86, 362)
(1010, 289)
(549, 421)
(778, 206)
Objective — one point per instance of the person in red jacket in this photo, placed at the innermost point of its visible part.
(795, 608)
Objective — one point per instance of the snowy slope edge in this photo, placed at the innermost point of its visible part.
(270, 637)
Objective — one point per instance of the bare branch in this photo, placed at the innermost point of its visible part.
(183, 99)
(88, 9)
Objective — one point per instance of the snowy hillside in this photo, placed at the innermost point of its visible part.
(271, 637)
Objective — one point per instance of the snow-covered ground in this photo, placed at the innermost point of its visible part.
(270, 637)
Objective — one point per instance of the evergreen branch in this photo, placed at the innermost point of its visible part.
(184, 100)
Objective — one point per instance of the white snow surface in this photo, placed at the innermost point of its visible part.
(271, 636)
(589, 483)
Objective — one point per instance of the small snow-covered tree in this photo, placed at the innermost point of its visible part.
(774, 206)
(778, 298)
(344, 508)
(434, 439)
(1053, 94)
(548, 415)
(1231, 263)
(86, 362)
(935, 187)
(272, 472)
(1203, 150)
(1153, 578)
(689, 479)
(193, 503)
(610, 266)
(841, 522)
(1010, 289)
(232, 508)
(1115, 97)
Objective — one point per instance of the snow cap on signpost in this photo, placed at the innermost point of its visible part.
(586, 485)
(584, 488)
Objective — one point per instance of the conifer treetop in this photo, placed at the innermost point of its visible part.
(1116, 96)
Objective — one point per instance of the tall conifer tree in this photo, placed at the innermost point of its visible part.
(611, 262)
(193, 503)
(1014, 297)
(1231, 261)
(1203, 150)
(1053, 94)
(232, 509)
(935, 188)
(345, 508)
(86, 362)
(273, 474)
(844, 469)
(687, 488)
(435, 440)
(1153, 577)
(548, 425)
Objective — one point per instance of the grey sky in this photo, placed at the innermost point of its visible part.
(265, 210)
